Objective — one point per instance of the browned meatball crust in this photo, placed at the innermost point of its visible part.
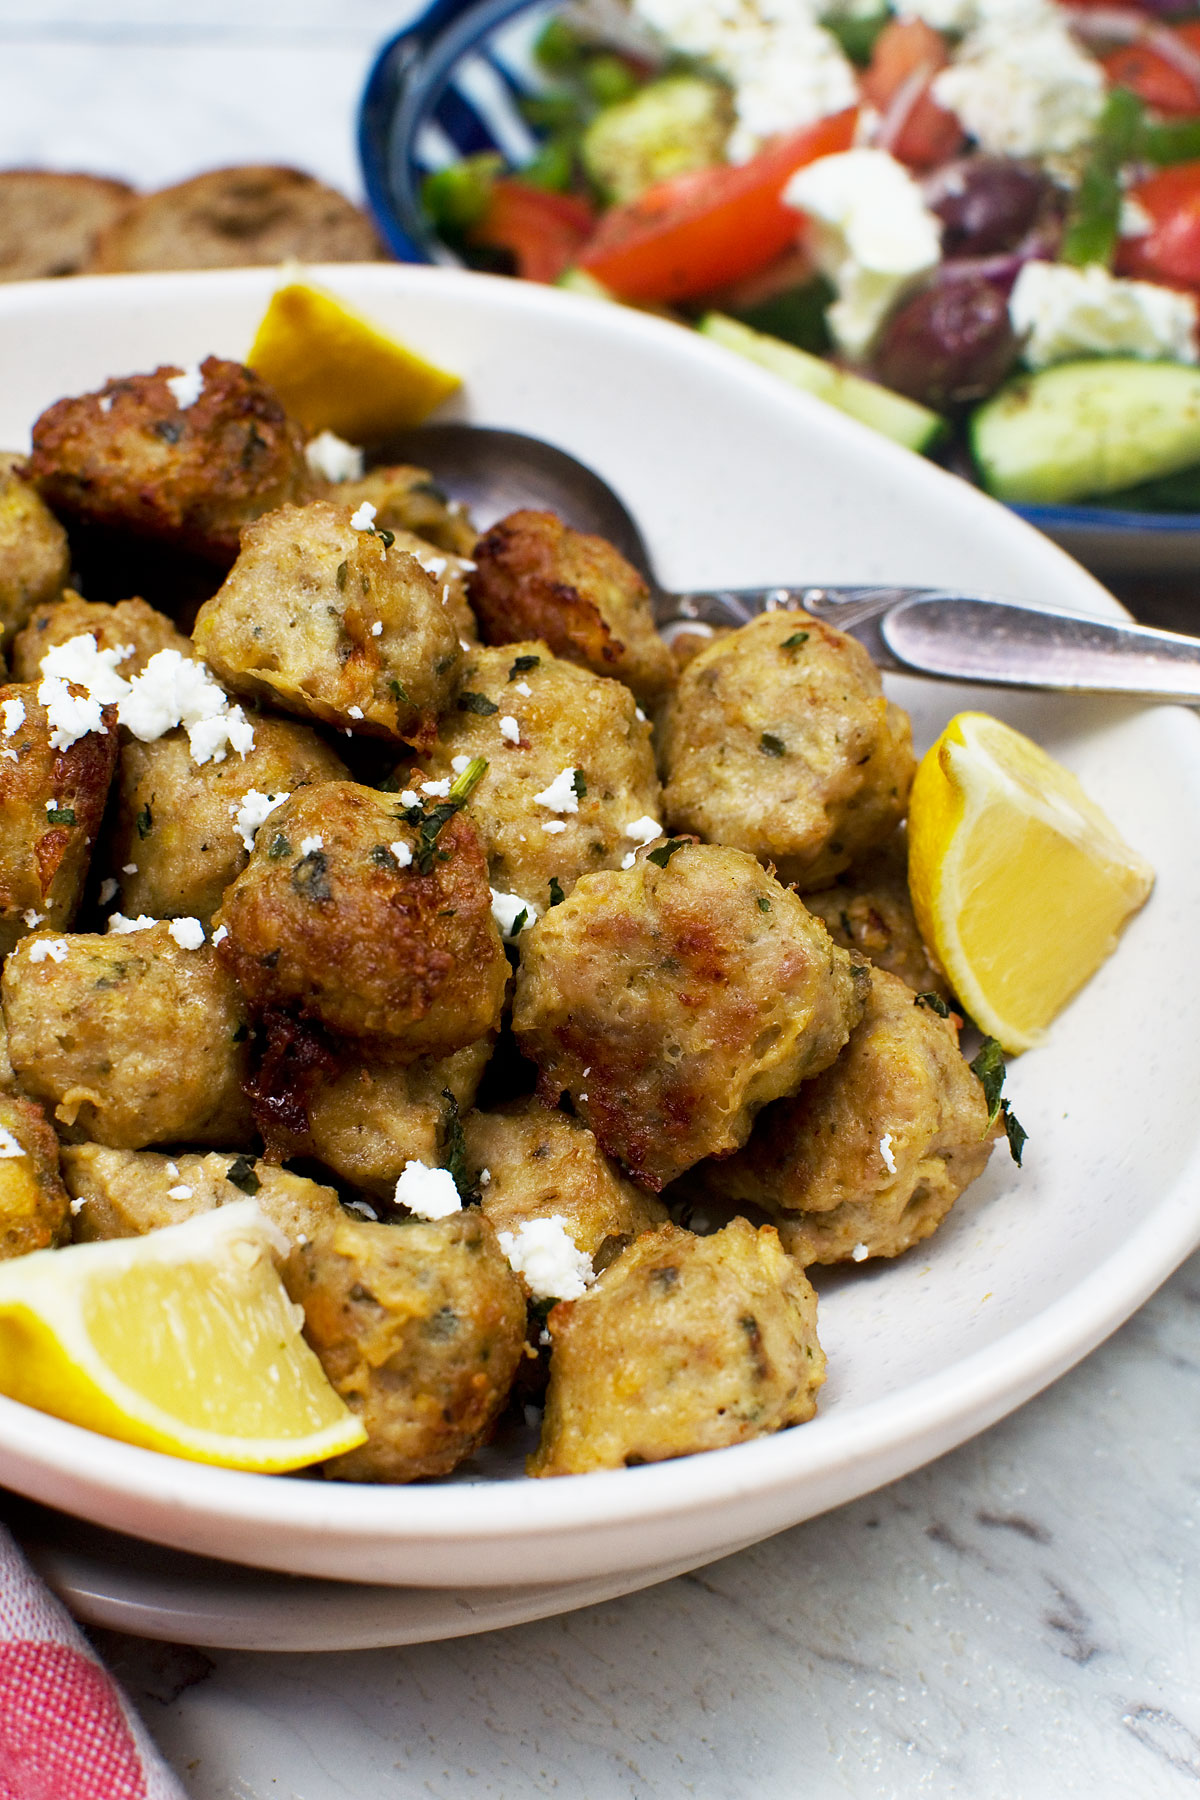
(51, 806)
(370, 1118)
(869, 910)
(409, 499)
(33, 1201)
(531, 1163)
(125, 1193)
(683, 1344)
(779, 741)
(672, 1002)
(537, 578)
(327, 621)
(348, 933)
(134, 458)
(869, 1158)
(532, 715)
(34, 557)
(129, 1039)
(130, 624)
(175, 843)
(420, 1327)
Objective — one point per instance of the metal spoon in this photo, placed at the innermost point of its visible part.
(921, 631)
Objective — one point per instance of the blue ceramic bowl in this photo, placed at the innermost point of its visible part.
(450, 85)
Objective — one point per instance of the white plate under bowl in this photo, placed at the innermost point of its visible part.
(736, 480)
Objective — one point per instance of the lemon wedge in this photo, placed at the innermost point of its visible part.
(335, 371)
(1019, 882)
(183, 1341)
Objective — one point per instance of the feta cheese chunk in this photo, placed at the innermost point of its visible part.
(120, 926)
(1063, 312)
(254, 809)
(871, 234)
(1021, 86)
(332, 458)
(8, 1143)
(187, 388)
(402, 853)
(560, 796)
(14, 715)
(545, 1254)
(508, 908)
(56, 949)
(510, 730)
(188, 933)
(364, 518)
(429, 1193)
(173, 690)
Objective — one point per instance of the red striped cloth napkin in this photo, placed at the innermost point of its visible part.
(67, 1732)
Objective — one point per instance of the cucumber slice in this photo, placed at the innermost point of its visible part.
(898, 418)
(1083, 429)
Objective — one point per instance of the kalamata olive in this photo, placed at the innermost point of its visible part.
(987, 204)
(950, 343)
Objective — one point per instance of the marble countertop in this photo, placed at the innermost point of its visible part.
(1019, 1621)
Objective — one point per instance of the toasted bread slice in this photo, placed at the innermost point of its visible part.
(49, 221)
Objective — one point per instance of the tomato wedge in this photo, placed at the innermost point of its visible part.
(1153, 78)
(541, 230)
(1170, 251)
(908, 54)
(697, 232)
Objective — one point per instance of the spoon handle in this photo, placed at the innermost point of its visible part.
(958, 637)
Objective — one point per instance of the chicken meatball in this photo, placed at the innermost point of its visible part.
(869, 1158)
(779, 741)
(129, 625)
(532, 1163)
(182, 831)
(674, 999)
(186, 457)
(51, 806)
(131, 1039)
(125, 1193)
(372, 918)
(372, 1117)
(570, 769)
(869, 910)
(409, 500)
(34, 558)
(683, 1344)
(537, 578)
(320, 617)
(33, 1201)
(420, 1327)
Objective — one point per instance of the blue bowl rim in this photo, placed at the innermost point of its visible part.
(390, 111)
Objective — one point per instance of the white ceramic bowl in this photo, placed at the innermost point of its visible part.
(736, 480)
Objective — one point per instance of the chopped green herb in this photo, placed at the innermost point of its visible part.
(522, 664)
(934, 1002)
(340, 577)
(145, 821)
(454, 1151)
(665, 852)
(280, 847)
(771, 745)
(477, 703)
(397, 690)
(1015, 1132)
(60, 815)
(241, 1174)
(431, 823)
(382, 857)
(764, 905)
(386, 537)
(844, 922)
(988, 1067)
(794, 642)
(579, 783)
(519, 923)
(310, 877)
(556, 894)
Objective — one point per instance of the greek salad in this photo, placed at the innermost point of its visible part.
(973, 223)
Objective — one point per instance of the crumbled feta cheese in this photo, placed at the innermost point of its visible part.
(430, 1193)
(361, 1210)
(507, 909)
(8, 1143)
(106, 401)
(437, 790)
(640, 714)
(870, 233)
(356, 712)
(1023, 87)
(187, 388)
(1063, 312)
(460, 764)
(57, 949)
(554, 826)
(120, 926)
(885, 1150)
(310, 845)
(33, 919)
(253, 810)
(182, 1192)
(220, 934)
(523, 687)
(188, 933)
(332, 458)
(643, 830)
(174, 690)
(402, 852)
(173, 1171)
(544, 1252)
(14, 715)
(408, 798)
(560, 796)
(377, 628)
(485, 1178)
(510, 731)
(432, 563)
(129, 868)
(108, 890)
(860, 1253)
(364, 518)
